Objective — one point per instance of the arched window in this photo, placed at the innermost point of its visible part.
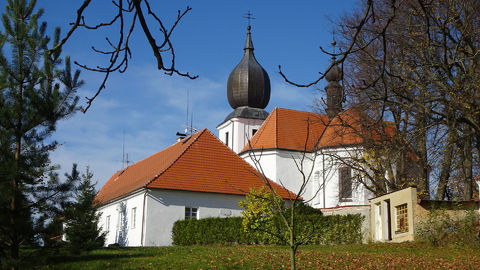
(345, 184)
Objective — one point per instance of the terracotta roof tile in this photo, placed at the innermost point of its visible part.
(200, 162)
(290, 129)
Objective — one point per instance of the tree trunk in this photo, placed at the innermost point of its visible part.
(468, 167)
(15, 239)
(423, 155)
(446, 165)
(293, 252)
(293, 246)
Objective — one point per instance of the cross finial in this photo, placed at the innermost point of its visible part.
(333, 44)
(249, 16)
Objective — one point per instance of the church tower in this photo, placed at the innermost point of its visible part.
(335, 94)
(248, 92)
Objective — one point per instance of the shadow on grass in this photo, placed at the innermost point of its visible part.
(42, 257)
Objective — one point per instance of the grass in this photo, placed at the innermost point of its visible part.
(372, 256)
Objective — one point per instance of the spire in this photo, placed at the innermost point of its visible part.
(334, 90)
(248, 43)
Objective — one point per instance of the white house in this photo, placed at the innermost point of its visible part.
(197, 177)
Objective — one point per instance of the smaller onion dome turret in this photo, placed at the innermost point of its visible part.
(335, 94)
(248, 83)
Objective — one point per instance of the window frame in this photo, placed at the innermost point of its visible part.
(226, 137)
(133, 216)
(189, 212)
(341, 184)
(107, 223)
(401, 211)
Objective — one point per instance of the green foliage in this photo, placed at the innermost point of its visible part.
(260, 207)
(319, 229)
(82, 231)
(264, 219)
(209, 231)
(34, 95)
(441, 229)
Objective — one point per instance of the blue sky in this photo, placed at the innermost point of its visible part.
(150, 107)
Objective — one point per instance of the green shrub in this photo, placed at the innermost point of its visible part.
(440, 228)
(314, 228)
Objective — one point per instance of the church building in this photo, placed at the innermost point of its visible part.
(301, 151)
(205, 176)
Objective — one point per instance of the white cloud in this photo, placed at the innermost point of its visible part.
(149, 110)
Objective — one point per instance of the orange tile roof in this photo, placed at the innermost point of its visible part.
(200, 163)
(290, 129)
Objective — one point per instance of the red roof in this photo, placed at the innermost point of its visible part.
(289, 129)
(199, 162)
(303, 131)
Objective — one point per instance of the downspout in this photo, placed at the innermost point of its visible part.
(143, 216)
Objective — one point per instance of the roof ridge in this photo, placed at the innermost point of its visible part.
(178, 157)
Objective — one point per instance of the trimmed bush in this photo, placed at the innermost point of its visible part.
(315, 228)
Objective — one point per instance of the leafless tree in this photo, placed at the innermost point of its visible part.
(305, 163)
(415, 63)
(127, 14)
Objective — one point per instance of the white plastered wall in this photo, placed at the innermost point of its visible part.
(240, 130)
(279, 166)
(322, 191)
(164, 207)
(123, 230)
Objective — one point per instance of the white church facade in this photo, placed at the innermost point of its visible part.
(206, 176)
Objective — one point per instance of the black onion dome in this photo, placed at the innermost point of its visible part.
(248, 83)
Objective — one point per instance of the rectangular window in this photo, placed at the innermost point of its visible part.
(226, 138)
(345, 184)
(120, 220)
(191, 212)
(134, 218)
(402, 218)
(107, 223)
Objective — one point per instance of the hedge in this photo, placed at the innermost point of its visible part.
(318, 229)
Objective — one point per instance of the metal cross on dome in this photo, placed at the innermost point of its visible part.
(249, 16)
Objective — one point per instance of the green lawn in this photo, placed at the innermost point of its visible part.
(373, 256)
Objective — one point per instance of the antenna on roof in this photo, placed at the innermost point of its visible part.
(123, 150)
(188, 103)
(181, 135)
(125, 160)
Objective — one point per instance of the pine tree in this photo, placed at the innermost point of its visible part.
(82, 231)
(34, 95)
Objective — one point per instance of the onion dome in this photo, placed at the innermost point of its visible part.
(335, 94)
(248, 84)
(334, 74)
